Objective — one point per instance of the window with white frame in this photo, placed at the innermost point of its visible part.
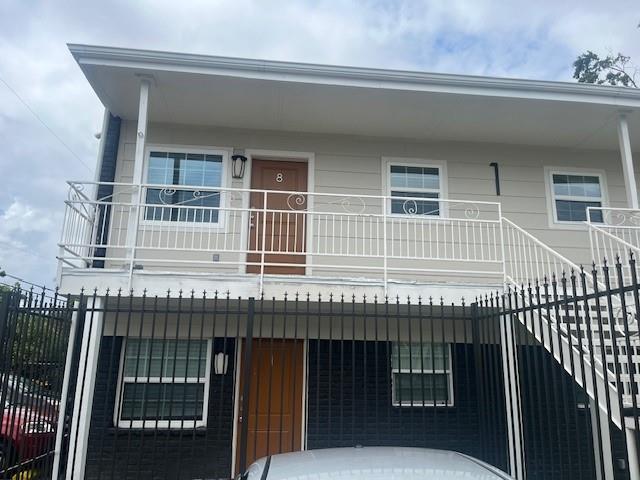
(573, 193)
(409, 185)
(174, 172)
(421, 374)
(164, 383)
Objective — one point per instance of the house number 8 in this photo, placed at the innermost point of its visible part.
(279, 177)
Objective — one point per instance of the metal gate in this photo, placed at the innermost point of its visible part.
(34, 333)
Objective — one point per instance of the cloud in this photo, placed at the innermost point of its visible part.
(28, 240)
(487, 37)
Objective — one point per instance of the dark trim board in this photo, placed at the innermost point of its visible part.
(107, 174)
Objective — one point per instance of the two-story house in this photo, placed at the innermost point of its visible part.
(345, 224)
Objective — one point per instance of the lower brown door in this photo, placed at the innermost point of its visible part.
(275, 399)
(280, 228)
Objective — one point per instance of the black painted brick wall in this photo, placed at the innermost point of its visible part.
(146, 454)
(349, 403)
(558, 435)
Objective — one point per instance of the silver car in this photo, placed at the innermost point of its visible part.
(372, 463)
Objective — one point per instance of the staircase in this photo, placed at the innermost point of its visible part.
(587, 322)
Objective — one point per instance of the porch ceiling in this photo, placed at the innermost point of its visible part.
(214, 91)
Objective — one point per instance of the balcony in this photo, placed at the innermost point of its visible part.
(263, 233)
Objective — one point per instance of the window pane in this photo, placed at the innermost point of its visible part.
(420, 357)
(409, 206)
(577, 185)
(417, 388)
(574, 211)
(414, 177)
(160, 168)
(212, 171)
(168, 358)
(560, 184)
(162, 401)
(191, 169)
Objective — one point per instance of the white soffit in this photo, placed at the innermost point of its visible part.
(216, 91)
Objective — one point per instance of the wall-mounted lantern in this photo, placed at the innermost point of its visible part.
(239, 162)
(220, 363)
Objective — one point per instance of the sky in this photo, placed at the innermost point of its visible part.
(49, 115)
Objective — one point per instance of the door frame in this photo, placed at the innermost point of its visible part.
(236, 399)
(284, 156)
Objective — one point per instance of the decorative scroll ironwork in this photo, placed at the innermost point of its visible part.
(630, 218)
(350, 204)
(410, 207)
(296, 200)
(166, 193)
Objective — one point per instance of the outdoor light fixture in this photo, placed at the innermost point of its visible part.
(220, 363)
(239, 164)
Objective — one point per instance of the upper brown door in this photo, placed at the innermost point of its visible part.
(281, 227)
(275, 399)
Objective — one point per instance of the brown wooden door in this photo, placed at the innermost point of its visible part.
(282, 227)
(275, 399)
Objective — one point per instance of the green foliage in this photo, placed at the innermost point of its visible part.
(611, 70)
(37, 343)
(36, 338)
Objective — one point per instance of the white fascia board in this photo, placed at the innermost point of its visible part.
(622, 97)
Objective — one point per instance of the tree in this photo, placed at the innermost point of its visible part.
(612, 69)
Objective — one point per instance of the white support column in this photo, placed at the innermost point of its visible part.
(141, 131)
(65, 391)
(633, 452)
(85, 385)
(138, 166)
(627, 161)
(512, 403)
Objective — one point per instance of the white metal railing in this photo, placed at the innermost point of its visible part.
(563, 329)
(170, 227)
(614, 233)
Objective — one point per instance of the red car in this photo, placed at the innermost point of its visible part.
(28, 422)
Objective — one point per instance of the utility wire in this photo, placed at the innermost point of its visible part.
(22, 280)
(33, 112)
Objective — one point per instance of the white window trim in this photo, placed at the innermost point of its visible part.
(426, 371)
(223, 211)
(551, 197)
(443, 194)
(163, 424)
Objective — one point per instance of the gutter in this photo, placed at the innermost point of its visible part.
(353, 76)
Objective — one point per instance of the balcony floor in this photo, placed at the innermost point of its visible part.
(276, 286)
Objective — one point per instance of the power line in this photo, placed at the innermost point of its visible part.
(33, 112)
(22, 280)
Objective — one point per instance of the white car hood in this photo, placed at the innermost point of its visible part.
(374, 463)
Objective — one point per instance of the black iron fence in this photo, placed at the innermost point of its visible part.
(199, 387)
(578, 356)
(540, 380)
(34, 329)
